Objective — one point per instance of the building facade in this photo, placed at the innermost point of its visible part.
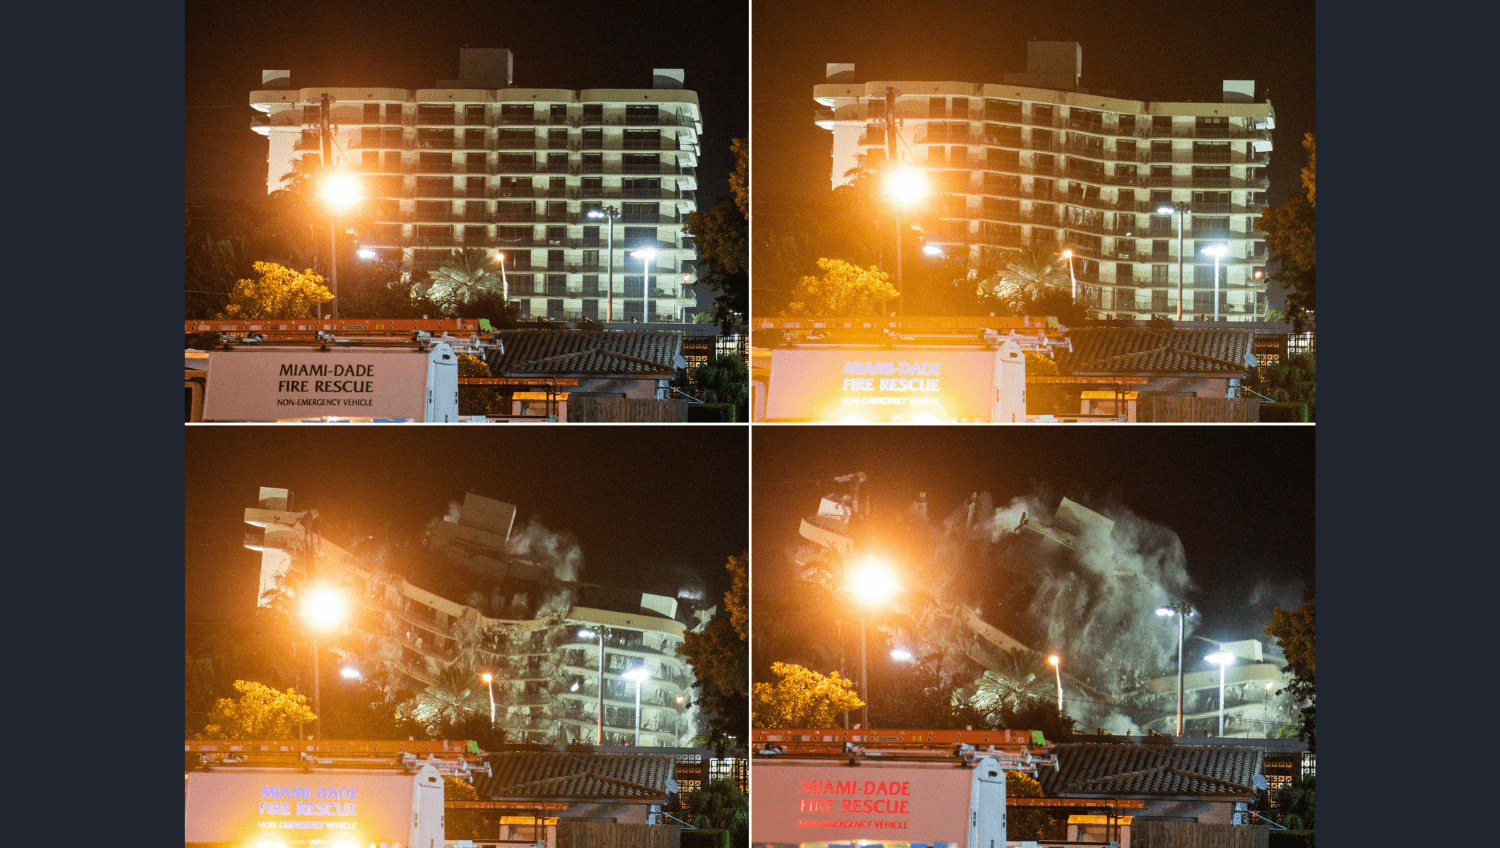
(1036, 156)
(550, 644)
(1255, 707)
(569, 186)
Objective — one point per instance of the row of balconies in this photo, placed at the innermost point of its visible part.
(1143, 128)
(502, 216)
(1161, 157)
(314, 118)
(381, 238)
(459, 144)
(1021, 192)
(539, 193)
(650, 168)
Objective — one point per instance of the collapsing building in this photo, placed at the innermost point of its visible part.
(1004, 587)
(558, 649)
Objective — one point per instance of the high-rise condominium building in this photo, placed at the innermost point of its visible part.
(1036, 156)
(572, 187)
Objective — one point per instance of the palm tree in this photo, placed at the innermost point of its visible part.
(454, 697)
(1032, 273)
(466, 277)
(1017, 680)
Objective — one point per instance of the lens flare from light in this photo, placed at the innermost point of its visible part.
(872, 581)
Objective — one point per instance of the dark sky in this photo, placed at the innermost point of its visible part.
(1240, 498)
(573, 45)
(652, 508)
(1163, 50)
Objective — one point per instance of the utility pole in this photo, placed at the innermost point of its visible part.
(326, 102)
(890, 156)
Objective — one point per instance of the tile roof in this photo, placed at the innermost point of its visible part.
(1144, 351)
(1115, 769)
(637, 353)
(576, 776)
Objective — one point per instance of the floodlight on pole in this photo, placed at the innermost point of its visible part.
(609, 213)
(324, 608)
(1056, 662)
(639, 675)
(1068, 254)
(489, 681)
(871, 582)
(1221, 658)
(1182, 611)
(589, 634)
(504, 283)
(1217, 251)
(647, 255)
(1182, 211)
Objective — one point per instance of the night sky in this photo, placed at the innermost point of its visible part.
(652, 508)
(574, 45)
(1241, 499)
(1161, 50)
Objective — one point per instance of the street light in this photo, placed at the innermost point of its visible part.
(340, 190)
(1182, 611)
(324, 608)
(609, 213)
(504, 283)
(907, 187)
(349, 672)
(1182, 210)
(872, 582)
(639, 675)
(1217, 251)
(489, 681)
(589, 634)
(1056, 662)
(1221, 658)
(647, 255)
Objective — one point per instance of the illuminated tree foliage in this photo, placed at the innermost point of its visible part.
(260, 712)
(1294, 379)
(802, 697)
(455, 696)
(1028, 823)
(722, 236)
(468, 277)
(842, 291)
(279, 292)
(1295, 633)
(1291, 234)
(719, 805)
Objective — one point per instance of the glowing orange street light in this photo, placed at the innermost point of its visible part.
(489, 681)
(504, 283)
(324, 608)
(871, 582)
(340, 191)
(1056, 662)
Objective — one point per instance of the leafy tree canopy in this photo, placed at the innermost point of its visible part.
(467, 277)
(279, 292)
(802, 697)
(455, 695)
(259, 712)
(1291, 234)
(1292, 379)
(1295, 633)
(720, 658)
(1028, 823)
(842, 291)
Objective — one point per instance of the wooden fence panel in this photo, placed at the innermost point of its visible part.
(584, 409)
(1181, 408)
(1161, 834)
(593, 834)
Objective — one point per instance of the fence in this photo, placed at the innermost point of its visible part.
(1162, 834)
(1179, 408)
(593, 410)
(590, 834)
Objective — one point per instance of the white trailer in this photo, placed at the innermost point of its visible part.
(396, 382)
(251, 806)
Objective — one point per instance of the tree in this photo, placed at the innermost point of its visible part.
(260, 712)
(843, 291)
(1296, 804)
(723, 379)
(1295, 633)
(802, 697)
(455, 695)
(476, 400)
(1292, 379)
(461, 823)
(280, 292)
(1291, 234)
(1028, 823)
(1034, 281)
(1019, 681)
(720, 659)
(722, 236)
(719, 805)
(465, 279)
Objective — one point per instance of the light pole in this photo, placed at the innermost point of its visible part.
(1217, 251)
(324, 608)
(1182, 210)
(489, 681)
(586, 634)
(1221, 658)
(906, 186)
(504, 283)
(639, 675)
(1068, 254)
(872, 582)
(647, 255)
(609, 213)
(1182, 611)
(1056, 662)
(340, 190)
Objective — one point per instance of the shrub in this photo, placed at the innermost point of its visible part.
(704, 837)
(1281, 412)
